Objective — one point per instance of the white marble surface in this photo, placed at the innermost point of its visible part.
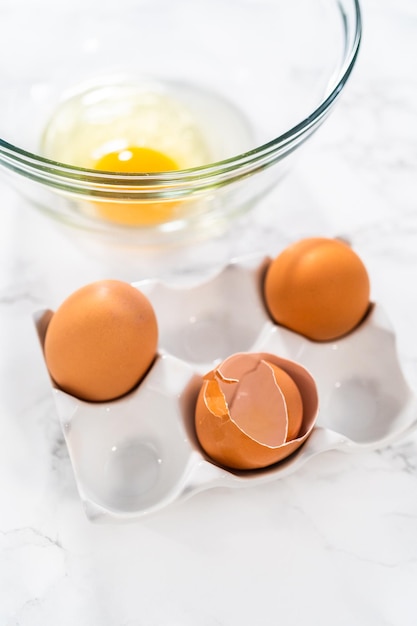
(335, 543)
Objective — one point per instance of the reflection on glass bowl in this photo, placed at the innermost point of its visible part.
(237, 88)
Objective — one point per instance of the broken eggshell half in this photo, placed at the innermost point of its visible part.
(138, 454)
(255, 409)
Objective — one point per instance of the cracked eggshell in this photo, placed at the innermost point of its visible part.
(365, 400)
(282, 395)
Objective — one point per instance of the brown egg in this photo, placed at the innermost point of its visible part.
(317, 287)
(101, 341)
(254, 410)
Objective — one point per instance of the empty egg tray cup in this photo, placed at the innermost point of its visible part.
(138, 454)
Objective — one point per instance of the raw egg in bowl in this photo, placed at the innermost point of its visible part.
(151, 122)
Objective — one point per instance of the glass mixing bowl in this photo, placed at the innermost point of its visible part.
(234, 86)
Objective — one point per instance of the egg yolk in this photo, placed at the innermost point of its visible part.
(138, 160)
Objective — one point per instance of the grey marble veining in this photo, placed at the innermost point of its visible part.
(335, 543)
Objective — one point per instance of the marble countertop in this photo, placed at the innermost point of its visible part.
(334, 543)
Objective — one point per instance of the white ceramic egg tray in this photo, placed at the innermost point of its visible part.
(138, 454)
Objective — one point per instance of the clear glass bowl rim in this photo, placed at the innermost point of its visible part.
(80, 180)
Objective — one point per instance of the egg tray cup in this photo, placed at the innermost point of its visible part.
(139, 453)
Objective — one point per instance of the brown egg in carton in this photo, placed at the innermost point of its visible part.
(224, 351)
